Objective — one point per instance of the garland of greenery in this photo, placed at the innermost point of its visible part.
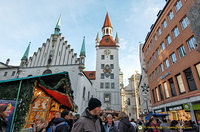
(9, 90)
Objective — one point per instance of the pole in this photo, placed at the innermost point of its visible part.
(11, 127)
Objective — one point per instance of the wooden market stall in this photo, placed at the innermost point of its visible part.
(37, 96)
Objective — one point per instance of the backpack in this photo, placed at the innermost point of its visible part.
(131, 128)
(53, 127)
(140, 127)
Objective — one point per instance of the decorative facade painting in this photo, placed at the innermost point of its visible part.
(38, 96)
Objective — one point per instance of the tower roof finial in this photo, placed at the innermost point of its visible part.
(25, 56)
(82, 53)
(116, 38)
(97, 38)
(57, 28)
(107, 22)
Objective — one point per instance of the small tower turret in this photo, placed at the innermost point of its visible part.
(57, 28)
(117, 39)
(24, 60)
(107, 28)
(97, 39)
(82, 56)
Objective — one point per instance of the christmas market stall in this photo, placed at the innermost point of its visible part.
(36, 96)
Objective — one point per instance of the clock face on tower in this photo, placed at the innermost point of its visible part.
(107, 51)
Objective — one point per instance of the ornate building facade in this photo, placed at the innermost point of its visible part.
(107, 85)
(130, 98)
(56, 55)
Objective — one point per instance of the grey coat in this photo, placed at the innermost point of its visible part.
(87, 123)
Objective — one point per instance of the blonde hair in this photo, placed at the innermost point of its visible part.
(109, 115)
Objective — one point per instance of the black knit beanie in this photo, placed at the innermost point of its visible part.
(94, 103)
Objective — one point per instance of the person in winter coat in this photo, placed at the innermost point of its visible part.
(154, 127)
(110, 125)
(140, 127)
(61, 125)
(174, 126)
(4, 112)
(56, 115)
(124, 124)
(165, 127)
(89, 120)
(39, 125)
(66, 115)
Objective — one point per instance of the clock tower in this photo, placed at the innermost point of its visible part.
(107, 68)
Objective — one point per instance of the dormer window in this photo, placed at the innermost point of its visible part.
(91, 74)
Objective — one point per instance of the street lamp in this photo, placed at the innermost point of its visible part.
(145, 90)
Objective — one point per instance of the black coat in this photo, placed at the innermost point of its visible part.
(3, 124)
(62, 128)
(125, 126)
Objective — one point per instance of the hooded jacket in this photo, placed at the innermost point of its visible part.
(125, 126)
(87, 123)
(61, 128)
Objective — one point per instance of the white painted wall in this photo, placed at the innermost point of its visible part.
(115, 93)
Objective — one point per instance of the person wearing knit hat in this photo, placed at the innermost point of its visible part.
(89, 120)
(4, 112)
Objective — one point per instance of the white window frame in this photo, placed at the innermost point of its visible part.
(163, 46)
(173, 58)
(159, 32)
(181, 51)
(161, 67)
(185, 22)
(178, 5)
(167, 65)
(164, 24)
(171, 15)
(169, 40)
(176, 32)
(192, 43)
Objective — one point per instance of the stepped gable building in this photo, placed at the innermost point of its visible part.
(173, 63)
(106, 86)
(56, 55)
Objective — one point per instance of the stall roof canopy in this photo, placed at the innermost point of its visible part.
(154, 114)
(57, 85)
(33, 77)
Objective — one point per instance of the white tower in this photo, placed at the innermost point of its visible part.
(107, 69)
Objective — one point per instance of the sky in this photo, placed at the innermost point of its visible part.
(25, 21)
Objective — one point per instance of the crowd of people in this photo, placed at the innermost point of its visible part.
(91, 121)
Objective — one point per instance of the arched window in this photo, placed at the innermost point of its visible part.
(106, 31)
(47, 72)
(84, 93)
(29, 75)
